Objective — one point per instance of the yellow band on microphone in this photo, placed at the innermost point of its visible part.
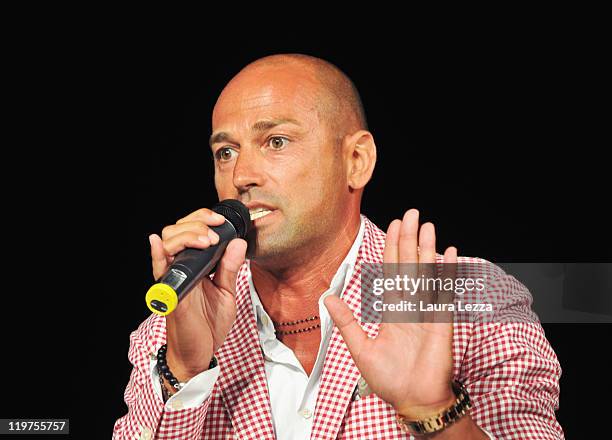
(161, 299)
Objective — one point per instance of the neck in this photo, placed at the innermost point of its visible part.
(293, 291)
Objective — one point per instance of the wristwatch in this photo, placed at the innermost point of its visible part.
(441, 420)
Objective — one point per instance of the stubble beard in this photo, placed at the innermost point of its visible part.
(280, 248)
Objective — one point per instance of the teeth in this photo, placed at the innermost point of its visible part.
(259, 213)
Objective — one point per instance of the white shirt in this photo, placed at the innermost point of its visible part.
(293, 394)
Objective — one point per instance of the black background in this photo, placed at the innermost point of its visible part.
(500, 142)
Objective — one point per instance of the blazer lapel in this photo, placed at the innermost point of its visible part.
(340, 374)
(242, 381)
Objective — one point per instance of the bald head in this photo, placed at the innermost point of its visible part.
(337, 100)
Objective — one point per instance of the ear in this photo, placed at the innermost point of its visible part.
(360, 157)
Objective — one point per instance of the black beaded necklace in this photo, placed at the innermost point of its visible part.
(299, 330)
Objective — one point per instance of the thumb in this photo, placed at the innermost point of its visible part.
(227, 272)
(352, 333)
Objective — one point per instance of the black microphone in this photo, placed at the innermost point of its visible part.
(191, 265)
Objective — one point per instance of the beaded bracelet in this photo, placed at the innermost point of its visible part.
(164, 371)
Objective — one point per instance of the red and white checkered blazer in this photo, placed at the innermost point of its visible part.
(509, 370)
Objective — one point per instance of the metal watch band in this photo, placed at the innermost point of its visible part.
(439, 421)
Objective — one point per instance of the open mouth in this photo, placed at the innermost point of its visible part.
(258, 213)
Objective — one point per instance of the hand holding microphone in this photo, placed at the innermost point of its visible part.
(203, 311)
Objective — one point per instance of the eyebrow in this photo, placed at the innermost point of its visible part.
(258, 126)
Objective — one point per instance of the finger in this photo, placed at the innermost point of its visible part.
(227, 272)
(427, 269)
(408, 252)
(427, 251)
(449, 272)
(158, 256)
(197, 227)
(450, 256)
(449, 268)
(427, 243)
(177, 243)
(391, 251)
(204, 215)
(390, 267)
(409, 257)
(352, 333)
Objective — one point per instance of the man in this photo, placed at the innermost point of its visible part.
(290, 141)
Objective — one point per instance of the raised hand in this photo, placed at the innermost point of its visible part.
(409, 364)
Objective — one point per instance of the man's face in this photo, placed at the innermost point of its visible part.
(273, 153)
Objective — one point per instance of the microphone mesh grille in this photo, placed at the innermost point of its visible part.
(236, 213)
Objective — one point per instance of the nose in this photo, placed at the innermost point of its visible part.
(248, 171)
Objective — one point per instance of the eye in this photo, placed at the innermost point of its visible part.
(278, 142)
(224, 154)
